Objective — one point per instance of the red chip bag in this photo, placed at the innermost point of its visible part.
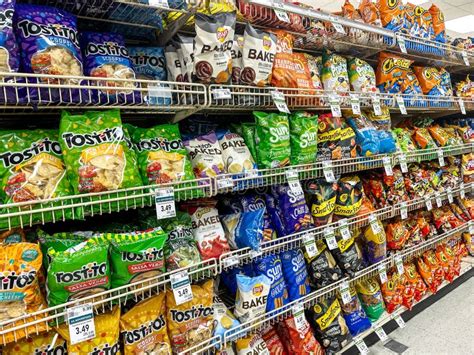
(392, 291)
(445, 261)
(273, 341)
(397, 235)
(437, 271)
(451, 255)
(299, 343)
(413, 279)
(427, 274)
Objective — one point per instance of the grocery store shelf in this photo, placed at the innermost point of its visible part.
(33, 323)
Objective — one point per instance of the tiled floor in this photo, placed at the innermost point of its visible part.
(446, 327)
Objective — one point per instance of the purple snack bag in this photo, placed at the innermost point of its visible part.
(206, 155)
(275, 214)
(49, 45)
(105, 56)
(252, 202)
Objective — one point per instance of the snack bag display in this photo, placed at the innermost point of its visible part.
(391, 73)
(192, 322)
(283, 73)
(244, 229)
(348, 256)
(293, 207)
(107, 325)
(235, 153)
(354, 314)
(237, 62)
(303, 138)
(212, 47)
(371, 298)
(206, 155)
(272, 139)
(136, 256)
(224, 320)
(80, 271)
(97, 152)
(393, 291)
(37, 344)
(295, 273)
(252, 295)
(361, 76)
(299, 341)
(349, 196)
(322, 268)
(143, 327)
(329, 325)
(334, 73)
(273, 341)
(438, 24)
(329, 135)
(391, 14)
(321, 196)
(271, 267)
(249, 135)
(251, 344)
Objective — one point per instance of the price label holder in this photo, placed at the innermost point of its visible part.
(81, 323)
(181, 287)
(376, 106)
(403, 210)
(250, 174)
(164, 202)
(279, 101)
(330, 238)
(441, 157)
(335, 106)
(471, 228)
(344, 229)
(381, 334)
(461, 106)
(439, 201)
(374, 224)
(387, 164)
(328, 171)
(401, 44)
(355, 104)
(345, 293)
(162, 3)
(293, 182)
(310, 245)
(449, 192)
(401, 105)
(221, 94)
(230, 261)
(402, 159)
(225, 182)
(465, 58)
(401, 323)
(399, 264)
(337, 26)
(159, 91)
(462, 191)
(282, 15)
(382, 273)
(298, 315)
(362, 346)
(429, 205)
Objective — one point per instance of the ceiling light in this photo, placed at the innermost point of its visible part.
(463, 24)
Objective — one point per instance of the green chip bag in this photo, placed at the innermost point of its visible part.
(136, 256)
(80, 271)
(272, 139)
(371, 299)
(303, 138)
(248, 134)
(32, 169)
(98, 152)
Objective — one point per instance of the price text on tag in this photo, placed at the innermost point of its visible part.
(330, 238)
(429, 205)
(400, 321)
(449, 192)
(401, 105)
(440, 157)
(402, 159)
(81, 323)
(181, 287)
(376, 106)
(279, 101)
(334, 104)
(345, 293)
(230, 261)
(355, 104)
(387, 164)
(399, 264)
(471, 228)
(162, 3)
(293, 182)
(221, 94)
(461, 106)
(282, 15)
(225, 183)
(374, 224)
(328, 172)
(164, 202)
(310, 245)
(439, 201)
(382, 273)
(381, 334)
(462, 191)
(362, 347)
(344, 229)
(403, 210)
(298, 315)
(465, 58)
(401, 44)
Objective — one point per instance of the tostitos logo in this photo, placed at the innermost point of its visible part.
(222, 33)
(267, 42)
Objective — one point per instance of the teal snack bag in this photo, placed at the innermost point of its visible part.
(80, 271)
(136, 256)
(248, 134)
(303, 138)
(272, 139)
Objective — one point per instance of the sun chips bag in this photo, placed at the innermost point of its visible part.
(303, 138)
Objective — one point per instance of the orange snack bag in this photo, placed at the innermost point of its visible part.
(391, 13)
(302, 72)
(436, 269)
(283, 73)
(392, 291)
(438, 23)
(427, 274)
(415, 283)
(369, 13)
(428, 77)
(391, 72)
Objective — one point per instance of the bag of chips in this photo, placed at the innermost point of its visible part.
(375, 243)
(371, 298)
(235, 153)
(423, 139)
(253, 202)
(397, 234)
(299, 341)
(321, 196)
(283, 73)
(206, 155)
(438, 24)
(144, 327)
(403, 136)
(303, 138)
(44, 343)
(361, 76)
(8, 43)
(272, 139)
(354, 314)
(334, 73)
(224, 320)
(391, 14)
(347, 141)
(349, 196)
(273, 341)
(251, 344)
(415, 287)
(248, 134)
(393, 291)
(271, 267)
(348, 256)
(369, 13)
(252, 295)
(391, 72)
(322, 268)
(244, 229)
(192, 322)
(437, 270)
(427, 274)
(329, 135)
(295, 273)
(314, 71)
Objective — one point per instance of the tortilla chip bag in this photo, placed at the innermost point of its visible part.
(107, 335)
(392, 291)
(414, 281)
(144, 327)
(38, 344)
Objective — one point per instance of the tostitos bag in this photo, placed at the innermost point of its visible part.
(45, 343)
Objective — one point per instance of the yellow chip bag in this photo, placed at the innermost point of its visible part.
(45, 343)
(144, 327)
(191, 323)
(106, 339)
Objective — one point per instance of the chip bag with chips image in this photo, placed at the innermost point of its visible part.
(371, 298)
(251, 344)
(44, 343)
(206, 155)
(252, 296)
(143, 327)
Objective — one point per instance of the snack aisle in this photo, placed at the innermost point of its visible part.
(228, 177)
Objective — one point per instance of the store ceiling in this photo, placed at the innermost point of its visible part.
(452, 9)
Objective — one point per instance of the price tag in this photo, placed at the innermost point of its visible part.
(181, 287)
(401, 105)
(465, 58)
(382, 273)
(330, 238)
(345, 293)
(338, 27)
(387, 164)
(439, 201)
(81, 323)
(225, 183)
(255, 253)
(362, 346)
(403, 210)
(401, 44)
(381, 334)
(449, 191)
(221, 94)
(162, 3)
(335, 107)
(159, 91)
(428, 203)
(402, 159)
(376, 106)
(471, 228)
(164, 202)
(278, 3)
(344, 229)
(251, 174)
(279, 101)
(399, 264)
(400, 321)
(441, 157)
(328, 172)
(355, 104)
(293, 182)
(282, 15)
(461, 106)
(374, 224)
(230, 261)
(310, 245)
(298, 316)
(462, 191)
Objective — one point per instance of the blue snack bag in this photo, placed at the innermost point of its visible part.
(228, 277)
(271, 267)
(275, 214)
(252, 202)
(244, 230)
(354, 315)
(295, 273)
